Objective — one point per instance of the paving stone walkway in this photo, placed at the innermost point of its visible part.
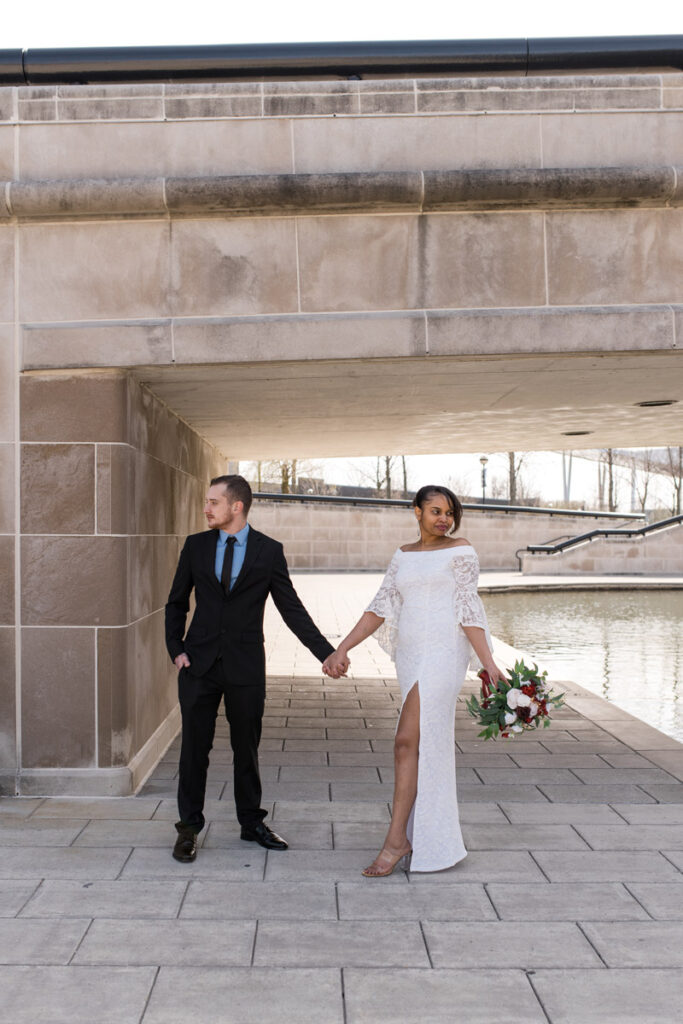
(568, 908)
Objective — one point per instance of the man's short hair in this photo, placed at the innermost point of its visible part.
(236, 488)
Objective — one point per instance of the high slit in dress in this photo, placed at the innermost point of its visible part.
(425, 599)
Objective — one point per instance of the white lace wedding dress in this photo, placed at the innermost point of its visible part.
(425, 599)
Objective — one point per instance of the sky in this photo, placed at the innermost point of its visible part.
(61, 23)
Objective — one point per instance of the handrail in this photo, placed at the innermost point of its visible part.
(342, 499)
(343, 59)
(586, 538)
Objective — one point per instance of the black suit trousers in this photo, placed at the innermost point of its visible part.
(200, 697)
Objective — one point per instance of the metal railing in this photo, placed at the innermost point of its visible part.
(586, 538)
(338, 499)
(343, 59)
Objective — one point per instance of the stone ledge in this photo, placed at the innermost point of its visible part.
(418, 191)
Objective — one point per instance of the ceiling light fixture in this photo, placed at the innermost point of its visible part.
(654, 402)
(576, 433)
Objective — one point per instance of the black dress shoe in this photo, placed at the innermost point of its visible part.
(185, 848)
(264, 836)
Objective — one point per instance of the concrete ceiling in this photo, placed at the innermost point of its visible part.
(426, 405)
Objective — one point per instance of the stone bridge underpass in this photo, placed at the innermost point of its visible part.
(191, 275)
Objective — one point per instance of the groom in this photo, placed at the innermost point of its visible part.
(232, 569)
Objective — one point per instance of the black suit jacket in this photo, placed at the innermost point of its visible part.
(231, 625)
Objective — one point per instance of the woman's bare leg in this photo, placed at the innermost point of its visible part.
(406, 746)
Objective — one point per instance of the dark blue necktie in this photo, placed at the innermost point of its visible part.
(227, 563)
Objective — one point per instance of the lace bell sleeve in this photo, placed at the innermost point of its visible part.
(467, 605)
(387, 605)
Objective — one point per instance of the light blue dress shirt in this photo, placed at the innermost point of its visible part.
(238, 553)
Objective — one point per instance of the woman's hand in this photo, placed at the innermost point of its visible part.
(337, 664)
(495, 674)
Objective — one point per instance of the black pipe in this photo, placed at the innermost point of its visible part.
(279, 60)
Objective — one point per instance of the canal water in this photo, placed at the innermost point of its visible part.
(626, 645)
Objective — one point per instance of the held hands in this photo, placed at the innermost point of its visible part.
(336, 664)
(182, 661)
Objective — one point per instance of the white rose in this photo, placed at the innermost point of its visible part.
(533, 709)
(510, 717)
(517, 699)
(516, 728)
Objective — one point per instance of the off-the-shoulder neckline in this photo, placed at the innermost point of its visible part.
(451, 547)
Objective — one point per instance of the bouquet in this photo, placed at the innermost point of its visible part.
(523, 702)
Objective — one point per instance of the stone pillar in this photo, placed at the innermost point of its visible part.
(111, 482)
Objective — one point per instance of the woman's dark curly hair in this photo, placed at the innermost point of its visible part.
(425, 493)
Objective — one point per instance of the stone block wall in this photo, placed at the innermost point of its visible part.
(318, 536)
(657, 554)
(111, 481)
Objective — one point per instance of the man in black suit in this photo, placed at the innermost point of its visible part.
(232, 569)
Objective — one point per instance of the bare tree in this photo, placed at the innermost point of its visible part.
(606, 477)
(404, 467)
(643, 468)
(515, 463)
(675, 463)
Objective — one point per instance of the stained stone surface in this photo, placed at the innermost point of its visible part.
(568, 907)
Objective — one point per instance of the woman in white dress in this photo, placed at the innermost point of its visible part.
(428, 616)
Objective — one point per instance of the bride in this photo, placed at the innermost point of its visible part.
(428, 617)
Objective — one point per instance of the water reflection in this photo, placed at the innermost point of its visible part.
(624, 645)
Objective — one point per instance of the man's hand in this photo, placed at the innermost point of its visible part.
(182, 661)
(336, 664)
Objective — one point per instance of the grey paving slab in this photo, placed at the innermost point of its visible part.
(233, 865)
(356, 745)
(136, 941)
(40, 832)
(606, 866)
(299, 810)
(14, 895)
(276, 791)
(338, 773)
(351, 835)
(126, 833)
(326, 865)
(485, 813)
(361, 757)
(666, 794)
(339, 944)
(300, 758)
(578, 760)
(110, 807)
(500, 793)
(347, 792)
(663, 900)
(566, 901)
(633, 837)
(447, 902)
(651, 814)
(296, 901)
(440, 997)
(604, 794)
(484, 759)
(676, 857)
(629, 760)
(522, 837)
(484, 866)
(61, 862)
(528, 776)
(238, 995)
(301, 835)
(40, 942)
(630, 776)
(18, 806)
(638, 943)
(65, 899)
(670, 760)
(559, 813)
(75, 995)
(514, 943)
(611, 997)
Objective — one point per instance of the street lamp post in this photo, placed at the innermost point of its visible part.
(483, 461)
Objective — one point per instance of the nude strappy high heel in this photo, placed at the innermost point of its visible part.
(391, 860)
